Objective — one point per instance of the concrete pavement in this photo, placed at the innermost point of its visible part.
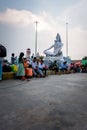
(57, 102)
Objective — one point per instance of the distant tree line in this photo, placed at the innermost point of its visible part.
(84, 58)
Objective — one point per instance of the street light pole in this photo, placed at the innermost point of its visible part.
(66, 38)
(36, 22)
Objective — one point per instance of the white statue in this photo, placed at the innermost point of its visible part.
(28, 52)
(57, 48)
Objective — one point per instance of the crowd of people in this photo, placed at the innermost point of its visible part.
(26, 67)
(29, 68)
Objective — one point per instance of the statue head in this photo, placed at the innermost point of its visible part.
(58, 38)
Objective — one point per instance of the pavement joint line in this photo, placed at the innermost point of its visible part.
(13, 86)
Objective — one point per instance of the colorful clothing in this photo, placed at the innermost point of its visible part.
(21, 69)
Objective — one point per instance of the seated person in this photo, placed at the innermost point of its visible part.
(42, 68)
(54, 66)
(28, 69)
(64, 66)
(35, 67)
(6, 66)
(72, 67)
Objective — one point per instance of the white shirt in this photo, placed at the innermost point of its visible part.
(41, 66)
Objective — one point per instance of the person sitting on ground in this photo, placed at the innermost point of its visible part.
(72, 67)
(28, 69)
(35, 67)
(6, 66)
(64, 66)
(54, 66)
(42, 68)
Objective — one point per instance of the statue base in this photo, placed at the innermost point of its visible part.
(49, 58)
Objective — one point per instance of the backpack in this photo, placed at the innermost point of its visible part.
(3, 52)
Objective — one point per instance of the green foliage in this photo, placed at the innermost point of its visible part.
(84, 58)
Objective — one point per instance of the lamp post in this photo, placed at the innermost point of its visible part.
(36, 22)
(66, 38)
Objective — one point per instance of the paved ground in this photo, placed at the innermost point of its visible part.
(57, 102)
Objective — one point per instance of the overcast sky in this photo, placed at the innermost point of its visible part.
(17, 25)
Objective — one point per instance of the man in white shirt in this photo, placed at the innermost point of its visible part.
(42, 68)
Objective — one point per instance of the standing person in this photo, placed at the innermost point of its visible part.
(13, 59)
(1, 61)
(28, 53)
(21, 69)
(3, 54)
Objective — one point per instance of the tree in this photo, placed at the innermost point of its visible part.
(84, 58)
